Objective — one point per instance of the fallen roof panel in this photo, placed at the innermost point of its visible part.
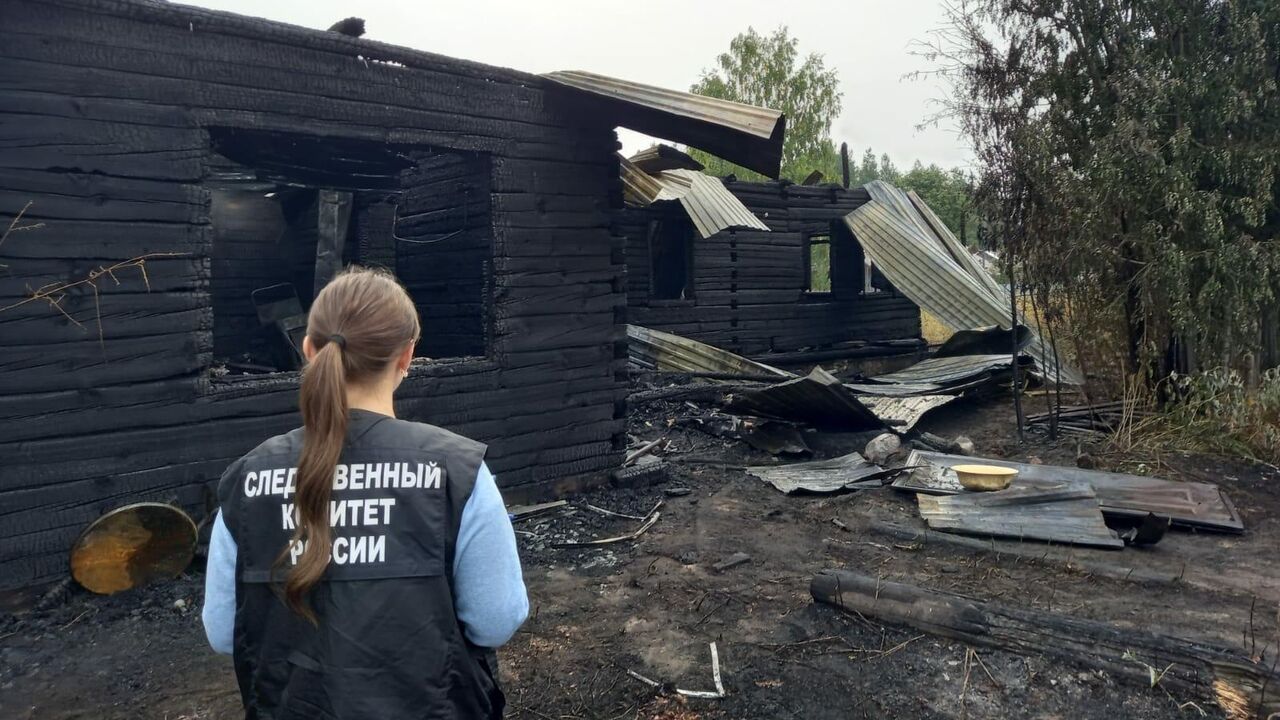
(1063, 513)
(1188, 504)
(923, 266)
(710, 205)
(902, 413)
(818, 398)
(706, 201)
(949, 370)
(822, 476)
(744, 134)
(639, 188)
(664, 352)
(659, 157)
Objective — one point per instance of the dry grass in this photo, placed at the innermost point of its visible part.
(932, 329)
(1212, 413)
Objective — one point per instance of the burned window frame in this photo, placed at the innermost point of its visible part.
(676, 223)
(808, 240)
(351, 251)
(845, 261)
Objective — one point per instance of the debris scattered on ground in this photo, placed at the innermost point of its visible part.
(1088, 420)
(818, 398)
(847, 472)
(734, 560)
(647, 470)
(603, 511)
(523, 512)
(961, 445)
(644, 450)
(707, 694)
(775, 438)
(898, 400)
(676, 491)
(646, 523)
(882, 447)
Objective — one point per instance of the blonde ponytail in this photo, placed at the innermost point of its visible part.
(359, 323)
(323, 403)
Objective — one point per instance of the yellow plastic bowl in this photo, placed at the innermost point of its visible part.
(984, 477)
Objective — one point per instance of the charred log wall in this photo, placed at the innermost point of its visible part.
(444, 251)
(749, 286)
(107, 108)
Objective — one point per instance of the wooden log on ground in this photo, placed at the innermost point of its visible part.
(1189, 670)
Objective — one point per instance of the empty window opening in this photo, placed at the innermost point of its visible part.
(868, 276)
(671, 259)
(818, 252)
(288, 212)
(835, 264)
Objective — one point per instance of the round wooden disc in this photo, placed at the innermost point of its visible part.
(132, 546)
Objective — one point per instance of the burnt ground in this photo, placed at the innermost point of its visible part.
(652, 605)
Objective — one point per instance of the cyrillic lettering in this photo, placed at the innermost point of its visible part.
(432, 477)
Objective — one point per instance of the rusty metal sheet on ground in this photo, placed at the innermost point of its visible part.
(1187, 504)
(1066, 512)
(846, 472)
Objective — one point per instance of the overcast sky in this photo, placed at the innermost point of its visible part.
(669, 43)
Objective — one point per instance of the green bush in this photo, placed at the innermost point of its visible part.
(1215, 411)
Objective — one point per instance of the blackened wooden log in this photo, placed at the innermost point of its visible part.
(1189, 669)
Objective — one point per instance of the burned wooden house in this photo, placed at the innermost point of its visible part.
(179, 182)
(756, 267)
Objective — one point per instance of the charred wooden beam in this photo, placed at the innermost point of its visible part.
(1188, 668)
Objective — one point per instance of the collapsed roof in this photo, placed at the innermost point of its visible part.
(925, 262)
(709, 204)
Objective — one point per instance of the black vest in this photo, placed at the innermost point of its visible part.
(388, 644)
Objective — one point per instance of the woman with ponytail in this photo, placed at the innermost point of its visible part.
(362, 566)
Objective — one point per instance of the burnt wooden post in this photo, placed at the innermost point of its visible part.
(1185, 667)
(1017, 374)
(844, 164)
(334, 208)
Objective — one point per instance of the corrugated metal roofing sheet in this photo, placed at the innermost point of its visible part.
(1063, 513)
(948, 370)
(1190, 504)
(744, 134)
(900, 241)
(657, 158)
(638, 187)
(706, 200)
(818, 398)
(822, 476)
(902, 413)
(664, 352)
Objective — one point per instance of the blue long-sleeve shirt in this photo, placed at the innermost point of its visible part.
(488, 586)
